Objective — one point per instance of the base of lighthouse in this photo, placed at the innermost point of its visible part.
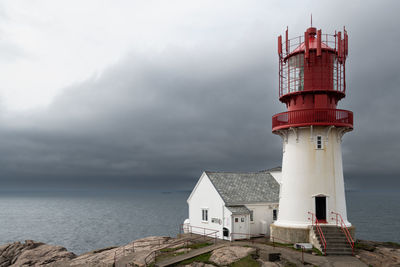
(312, 182)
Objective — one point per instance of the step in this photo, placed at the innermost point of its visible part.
(333, 235)
(339, 243)
(338, 250)
(339, 237)
(338, 246)
(334, 239)
(339, 253)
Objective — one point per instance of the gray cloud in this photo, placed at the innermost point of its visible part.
(159, 120)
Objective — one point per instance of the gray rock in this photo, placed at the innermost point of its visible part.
(228, 255)
(32, 253)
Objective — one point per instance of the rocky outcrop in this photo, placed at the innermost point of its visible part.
(228, 255)
(383, 254)
(134, 252)
(32, 253)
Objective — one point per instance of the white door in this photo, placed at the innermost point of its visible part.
(240, 228)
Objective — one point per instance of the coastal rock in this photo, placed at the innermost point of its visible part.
(134, 252)
(228, 255)
(32, 253)
(381, 256)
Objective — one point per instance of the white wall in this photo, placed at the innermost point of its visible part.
(261, 212)
(204, 195)
(307, 172)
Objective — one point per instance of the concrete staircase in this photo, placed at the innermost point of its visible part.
(336, 241)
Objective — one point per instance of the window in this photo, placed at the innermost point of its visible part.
(242, 219)
(252, 215)
(296, 73)
(319, 142)
(204, 215)
(236, 220)
(274, 215)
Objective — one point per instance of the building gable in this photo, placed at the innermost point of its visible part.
(203, 179)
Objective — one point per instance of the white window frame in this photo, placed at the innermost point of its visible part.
(204, 215)
(319, 143)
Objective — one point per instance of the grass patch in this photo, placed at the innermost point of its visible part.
(247, 261)
(290, 264)
(317, 251)
(192, 246)
(201, 258)
(364, 246)
(170, 249)
(392, 244)
(199, 245)
(277, 244)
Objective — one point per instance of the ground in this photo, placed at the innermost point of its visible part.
(192, 251)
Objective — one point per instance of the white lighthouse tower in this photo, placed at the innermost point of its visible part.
(311, 83)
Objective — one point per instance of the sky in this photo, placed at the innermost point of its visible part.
(148, 94)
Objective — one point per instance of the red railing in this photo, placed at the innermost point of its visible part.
(344, 229)
(305, 117)
(319, 230)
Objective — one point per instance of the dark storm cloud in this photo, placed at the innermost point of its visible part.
(165, 119)
(159, 120)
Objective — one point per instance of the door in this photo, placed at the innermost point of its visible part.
(320, 209)
(239, 227)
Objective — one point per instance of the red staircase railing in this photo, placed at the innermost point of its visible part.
(319, 230)
(344, 229)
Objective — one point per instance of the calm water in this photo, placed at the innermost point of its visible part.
(83, 222)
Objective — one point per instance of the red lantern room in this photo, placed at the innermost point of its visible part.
(312, 80)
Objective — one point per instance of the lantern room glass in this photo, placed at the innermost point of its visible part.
(296, 73)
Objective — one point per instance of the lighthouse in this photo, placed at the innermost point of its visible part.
(312, 81)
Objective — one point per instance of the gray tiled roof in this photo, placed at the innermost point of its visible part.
(238, 209)
(245, 188)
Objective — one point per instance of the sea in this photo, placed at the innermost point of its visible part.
(83, 221)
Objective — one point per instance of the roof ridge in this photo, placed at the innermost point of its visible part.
(239, 172)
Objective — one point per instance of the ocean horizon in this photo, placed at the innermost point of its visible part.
(86, 220)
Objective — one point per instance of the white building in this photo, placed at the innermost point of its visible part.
(237, 205)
